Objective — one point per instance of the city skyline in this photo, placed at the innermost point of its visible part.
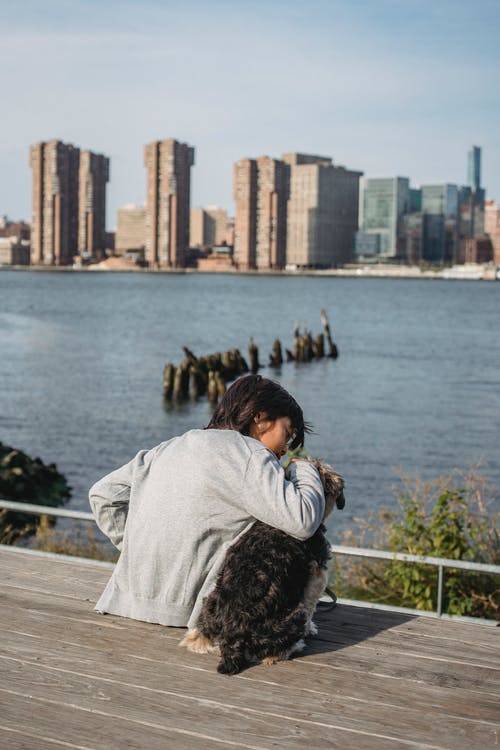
(387, 90)
(298, 211)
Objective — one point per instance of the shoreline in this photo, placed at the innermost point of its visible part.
(465, 272)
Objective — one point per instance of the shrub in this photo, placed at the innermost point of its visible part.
(28, 480)
(448, 517)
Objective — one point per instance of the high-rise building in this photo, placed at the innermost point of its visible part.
(207, 227)
(260, 192)
(168, 164)
(245, 196)
(93, 176)
(299, 210)
(413, 232)
(492, 227)
(414, 200)
(54, 226)
(69, 202)
(197, 227)
(434, 238)
(130, 230)
(474, 168)
(478, 250)
(322, 211)
(271, 212)
(440, 206)
(383, 202)
(440, 199)
(472, 197)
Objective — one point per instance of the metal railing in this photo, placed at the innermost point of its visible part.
(439, 562)
(45, 510)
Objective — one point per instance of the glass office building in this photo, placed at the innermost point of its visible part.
(474, 167)
(440, 199)
(383, 202)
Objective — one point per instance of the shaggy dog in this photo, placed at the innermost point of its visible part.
(266, 592)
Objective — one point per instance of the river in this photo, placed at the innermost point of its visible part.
(415, 387)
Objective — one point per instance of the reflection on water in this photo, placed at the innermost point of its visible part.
(415, 385)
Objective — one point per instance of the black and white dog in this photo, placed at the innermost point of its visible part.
(266, 592)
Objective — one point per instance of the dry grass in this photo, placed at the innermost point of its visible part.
(78, 543)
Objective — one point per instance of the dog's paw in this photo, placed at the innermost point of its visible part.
(270, 660)
(274, 658)
(197, 643)
(282, 656)
(311, 628)
(299, 646)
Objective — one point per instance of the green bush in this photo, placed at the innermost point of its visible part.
(449, 517)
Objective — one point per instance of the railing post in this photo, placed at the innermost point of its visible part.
(440, 591)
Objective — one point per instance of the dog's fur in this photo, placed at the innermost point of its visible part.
(266, 592)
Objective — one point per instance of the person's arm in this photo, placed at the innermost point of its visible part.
(110, 497)
(292, 501)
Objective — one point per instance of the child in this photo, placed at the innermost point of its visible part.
(174, 510)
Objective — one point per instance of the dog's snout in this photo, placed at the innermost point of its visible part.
(340, 501)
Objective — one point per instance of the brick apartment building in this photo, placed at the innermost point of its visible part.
(168, 164)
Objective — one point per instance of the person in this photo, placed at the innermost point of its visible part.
(174, 510)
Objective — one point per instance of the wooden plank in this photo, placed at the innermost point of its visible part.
(14, 738)
(177, 713)
(379, 660)
(19, 558)
(360, 620)
(47, 608)
(61, 724)
(390, 645)
(151, 676)
(35, 573)
(233, 719)
(338, 629)
(371, 680)
(159, 645)
(342, 625)
(68, 578)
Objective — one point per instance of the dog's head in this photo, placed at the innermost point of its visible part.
(333, 485)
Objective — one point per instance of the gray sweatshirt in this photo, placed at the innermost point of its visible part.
(173, 511)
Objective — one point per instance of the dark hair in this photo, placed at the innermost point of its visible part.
(251, 395)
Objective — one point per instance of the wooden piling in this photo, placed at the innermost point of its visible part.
(198, 382)
(276, 356)
(221, 384)
(308, 346)
(319, 346)
(211, 373)
(168, 380)
(212, 389)
(181, 382)
(298, 348)
(253, 353)
(241, 362)
(326, 325)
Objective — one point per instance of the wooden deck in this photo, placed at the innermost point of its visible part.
(71, 678)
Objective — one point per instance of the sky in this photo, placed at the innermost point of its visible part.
(387, 87)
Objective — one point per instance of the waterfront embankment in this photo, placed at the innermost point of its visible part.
(464, 272)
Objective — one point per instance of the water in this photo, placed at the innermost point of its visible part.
(416, 385)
